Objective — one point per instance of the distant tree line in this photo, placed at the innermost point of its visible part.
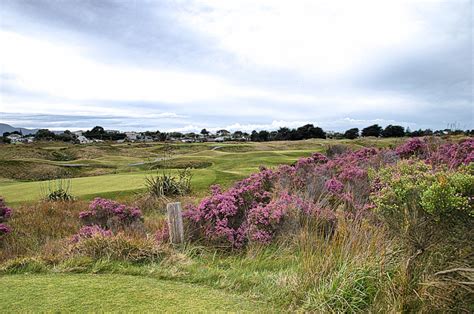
(307, 131)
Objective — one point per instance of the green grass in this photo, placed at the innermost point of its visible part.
(109, 174)
(114, 293)
(223, 168)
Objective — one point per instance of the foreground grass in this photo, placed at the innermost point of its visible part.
(117, 293)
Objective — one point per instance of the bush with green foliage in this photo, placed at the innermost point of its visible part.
(167, 184)
(59, 190)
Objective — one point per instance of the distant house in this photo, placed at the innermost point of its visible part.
(131, 136)
(77, 133)
(219, 139)
(15, 138)
(222, 133)
(83, 140)
(29, 139)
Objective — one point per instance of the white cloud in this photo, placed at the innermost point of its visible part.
(312, 37)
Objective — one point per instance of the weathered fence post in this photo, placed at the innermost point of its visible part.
(175, 223)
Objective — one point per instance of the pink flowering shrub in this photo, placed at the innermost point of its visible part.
(88, 232)
(256, 208)
(5, 213)
(453, 155)
(222, 217)
(109, 214)
(413, 147)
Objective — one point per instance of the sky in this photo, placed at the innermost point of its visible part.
(239, 65)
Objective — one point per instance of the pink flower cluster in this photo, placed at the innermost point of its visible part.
(88, 232)
(5, 214)
(223, 215)
(110, 214)
(453, 155)
(413, 147)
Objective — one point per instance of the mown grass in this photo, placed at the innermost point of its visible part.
(110, 173)
(114, 293)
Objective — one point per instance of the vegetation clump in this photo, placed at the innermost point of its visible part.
(5, 214)
(167, 184)
(59, 190)
(111, 215)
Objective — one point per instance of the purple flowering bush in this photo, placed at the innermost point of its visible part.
(112, 215)
(5, 214)
(317, 187)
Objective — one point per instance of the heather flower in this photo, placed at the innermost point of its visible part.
(162, 235)
(107, 214)
(412, 147)
(4, 229)
(334, 186)
(5, 212)
(88, 232)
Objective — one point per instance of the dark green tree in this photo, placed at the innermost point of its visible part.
(373, 130)
(352, 133)
(393, 131)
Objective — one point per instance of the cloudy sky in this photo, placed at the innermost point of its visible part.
(242, 64)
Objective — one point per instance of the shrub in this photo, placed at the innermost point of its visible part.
(166, 184)
(119, 247)
(112, 215)
(5, 214)
(39, 226)
(59, 190)
(437, 194)
(430, 213)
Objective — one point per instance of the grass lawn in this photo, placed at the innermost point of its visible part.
(115, 170)
(224, 168)
(114, 293)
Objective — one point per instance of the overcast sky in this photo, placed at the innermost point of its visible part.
(241, 64)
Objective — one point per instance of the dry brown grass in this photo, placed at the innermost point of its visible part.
(39, 227)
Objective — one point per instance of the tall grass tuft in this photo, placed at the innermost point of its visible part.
(166, 184)
(57, 190)
(38, 227)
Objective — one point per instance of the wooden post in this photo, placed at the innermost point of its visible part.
(175, 223)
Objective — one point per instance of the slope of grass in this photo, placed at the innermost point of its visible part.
(114, 293)
(224, 168)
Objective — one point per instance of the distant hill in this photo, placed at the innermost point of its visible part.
(8, 128)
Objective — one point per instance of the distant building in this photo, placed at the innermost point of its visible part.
(15, 138)
(83, 140)
(131, 136)
(77, 133)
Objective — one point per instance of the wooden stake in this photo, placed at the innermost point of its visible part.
(175, 223)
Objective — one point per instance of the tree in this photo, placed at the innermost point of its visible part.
(283, 134)
(238, 134)
(373, 130)
(352, 133)
(66, 136)
(263, 136)
(309, 131)
(393, 131)
(204, 132)
(254, 136)
(222, 133)
(44, 135)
